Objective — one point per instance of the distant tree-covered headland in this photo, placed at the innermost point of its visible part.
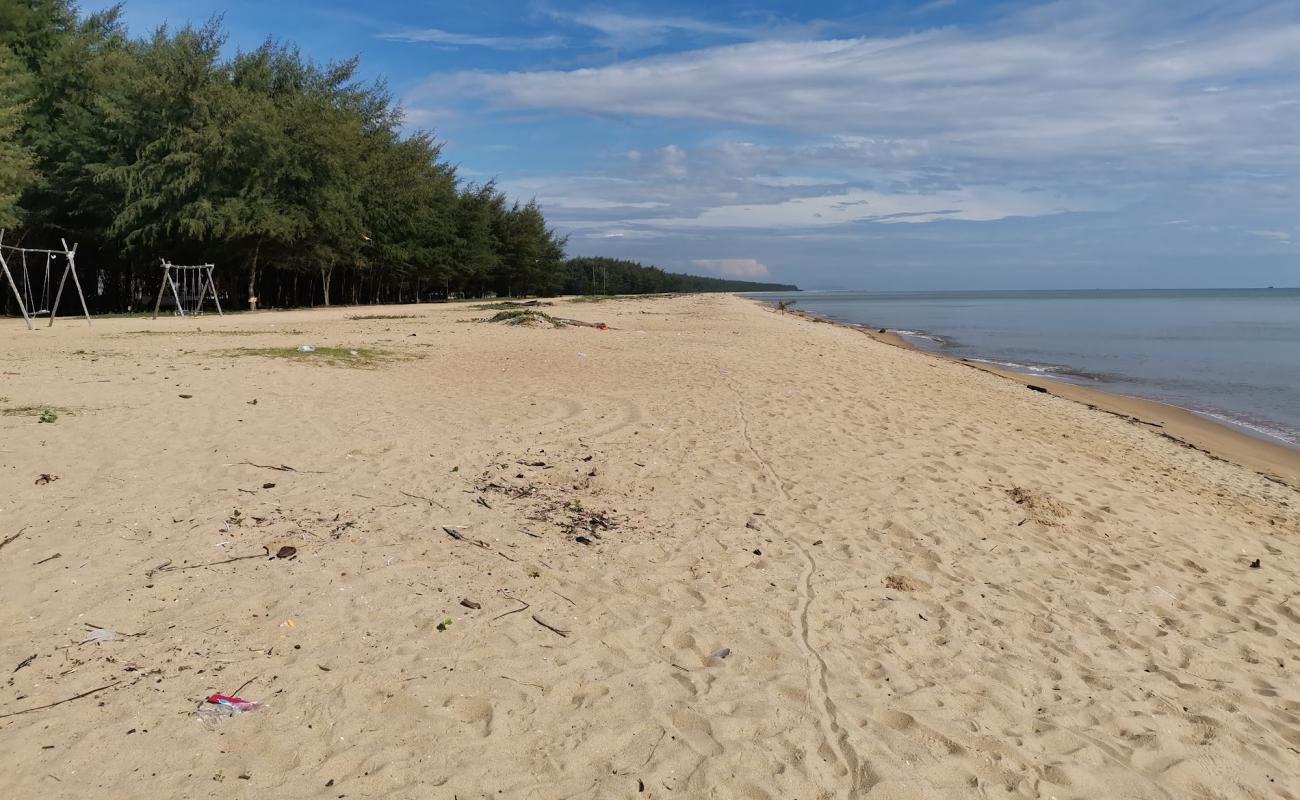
(296, 179)
(617, 276)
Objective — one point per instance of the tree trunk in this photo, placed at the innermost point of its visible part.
(252, 277)
(325, 275)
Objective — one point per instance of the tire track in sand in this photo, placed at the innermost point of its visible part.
(861, 775)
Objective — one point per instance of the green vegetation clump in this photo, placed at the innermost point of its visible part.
(526, 316)
(47, 414)
(352, 357)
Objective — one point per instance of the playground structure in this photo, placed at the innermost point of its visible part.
(195, 286)
(27, 297)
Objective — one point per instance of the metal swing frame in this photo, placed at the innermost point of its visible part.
(70, 266)
(205, 283)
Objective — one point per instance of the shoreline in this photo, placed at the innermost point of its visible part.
(1273, 461)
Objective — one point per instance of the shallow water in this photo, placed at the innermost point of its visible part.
(1231, 354)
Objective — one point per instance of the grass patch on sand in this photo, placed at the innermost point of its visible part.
(232, 332)
(532, 318)
(350, 357)
(43, 413)
(381, 316)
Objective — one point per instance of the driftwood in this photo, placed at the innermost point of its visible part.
(581, 323)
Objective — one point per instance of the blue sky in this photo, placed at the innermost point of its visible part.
(887, 145)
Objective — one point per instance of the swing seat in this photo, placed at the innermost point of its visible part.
(44, 312)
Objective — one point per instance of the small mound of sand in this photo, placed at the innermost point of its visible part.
(902, 583)
(1041, 509)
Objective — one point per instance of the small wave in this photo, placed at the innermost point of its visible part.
(1069, 374)
(1037, 369)
(1277, 434)
(920, 335)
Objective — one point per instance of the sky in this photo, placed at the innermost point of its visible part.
(940, 144)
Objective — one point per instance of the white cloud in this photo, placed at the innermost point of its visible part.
(745, 268)
(448, 39)
(630, 28)
(1036, 88)
(1139, 113)
(673, 159)
(974, 204)
(633, 32)
(1278, 236)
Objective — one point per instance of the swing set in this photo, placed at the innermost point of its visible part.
(27, 298)
(194, 287)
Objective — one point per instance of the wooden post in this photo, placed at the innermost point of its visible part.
(72, 265)
(180, 309)
(213, 284)
(167, 268)
(54, 309)
(203, 290)
(5, 266)
(71, 257)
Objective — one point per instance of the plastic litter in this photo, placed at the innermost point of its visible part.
(306, 348)
(723, 653)
(100, 635)
(219, 706)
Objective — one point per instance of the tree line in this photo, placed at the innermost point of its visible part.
(294, 177)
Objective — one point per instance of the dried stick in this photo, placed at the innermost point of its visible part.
(516, 611)
(460, 537)
(60, 702)
(266, 552)
(428, 500)
(15, 536)
(284, 468)
(551, 628)
(243, 686)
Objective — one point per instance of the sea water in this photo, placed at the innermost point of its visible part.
(1229, 354)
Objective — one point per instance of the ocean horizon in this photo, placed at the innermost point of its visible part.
(1230, 355)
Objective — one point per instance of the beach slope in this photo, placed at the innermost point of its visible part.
(714, 551)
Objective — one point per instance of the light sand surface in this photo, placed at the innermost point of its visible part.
(933, 583)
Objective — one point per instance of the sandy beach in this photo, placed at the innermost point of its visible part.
(714, 551)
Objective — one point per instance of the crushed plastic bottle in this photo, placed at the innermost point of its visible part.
(219, 707)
